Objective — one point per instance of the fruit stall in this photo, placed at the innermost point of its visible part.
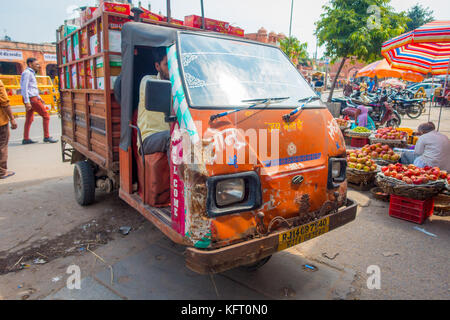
(373, 165)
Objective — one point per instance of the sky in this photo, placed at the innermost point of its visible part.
(37, 21)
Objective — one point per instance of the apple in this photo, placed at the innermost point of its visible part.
(359, 166)
(407, 180)
(443, 174)
(387, 173)
(368, 163)
(351, 165)
(383, 169)
(373, 167)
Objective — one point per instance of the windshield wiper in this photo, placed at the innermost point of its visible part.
(257, 102)
(288, 116)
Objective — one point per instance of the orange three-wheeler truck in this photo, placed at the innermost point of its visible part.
(257, 163)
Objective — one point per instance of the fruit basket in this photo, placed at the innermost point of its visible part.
(360, 177)
(361, 169)
(343, 124)
(389, 136)
(442, 204)
(413, 191)
(379, 194)
(355, 134)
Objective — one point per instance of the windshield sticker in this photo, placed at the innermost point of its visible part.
(194, 82)
(180, 106)
(188, 58)
(283, 161)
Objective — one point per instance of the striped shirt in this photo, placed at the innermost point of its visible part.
(28, 85)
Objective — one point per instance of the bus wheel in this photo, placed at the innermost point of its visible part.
(256, 265)
(84, 183)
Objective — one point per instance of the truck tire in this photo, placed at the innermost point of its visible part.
(84, 183)
(255, 265)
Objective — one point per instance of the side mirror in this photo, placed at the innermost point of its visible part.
(158, 96)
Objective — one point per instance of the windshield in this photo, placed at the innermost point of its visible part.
(223, 72)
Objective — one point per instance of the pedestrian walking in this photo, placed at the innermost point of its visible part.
(6, 117)
(33, 102)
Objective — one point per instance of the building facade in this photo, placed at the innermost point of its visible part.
(13, 57)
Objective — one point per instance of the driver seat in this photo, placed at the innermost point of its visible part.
(153, 175)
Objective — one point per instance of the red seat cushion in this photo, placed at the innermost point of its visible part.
(157, 174)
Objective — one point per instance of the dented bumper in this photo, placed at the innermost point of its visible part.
(247, 252)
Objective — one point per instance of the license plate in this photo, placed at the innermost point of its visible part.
(303, 233)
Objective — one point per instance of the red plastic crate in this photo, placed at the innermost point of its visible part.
(359, 142)
(416, 211)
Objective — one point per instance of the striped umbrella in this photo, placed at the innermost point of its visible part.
(425, 50)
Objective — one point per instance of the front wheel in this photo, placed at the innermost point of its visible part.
(84, 183)
(256, 265)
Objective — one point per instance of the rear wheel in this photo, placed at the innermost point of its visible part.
(394, 122)
(256, 265)
(84, 183)
(414, 111)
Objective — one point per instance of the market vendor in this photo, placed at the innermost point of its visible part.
(432, 149)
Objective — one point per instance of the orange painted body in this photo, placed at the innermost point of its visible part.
(310, 132)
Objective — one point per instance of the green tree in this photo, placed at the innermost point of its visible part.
(295, 50)
(357, 29)
(418, 16)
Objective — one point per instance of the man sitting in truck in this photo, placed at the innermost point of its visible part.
(155, 131)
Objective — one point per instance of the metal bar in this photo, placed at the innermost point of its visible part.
(203, 15)
(443, 94)
(169, 13)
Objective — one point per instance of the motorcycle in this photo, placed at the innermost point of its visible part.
(379, 114)
(413, 108)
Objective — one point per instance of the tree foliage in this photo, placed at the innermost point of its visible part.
(295, 50)
(357, 29)
(418, 16)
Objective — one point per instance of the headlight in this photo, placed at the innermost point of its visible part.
(233, 193)
(337, 169)
(230, 191)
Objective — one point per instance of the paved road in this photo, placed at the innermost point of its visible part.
(39, 216)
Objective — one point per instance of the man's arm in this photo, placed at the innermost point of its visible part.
(4, 103)
(420, 146)
(25, 81)
(11, 117)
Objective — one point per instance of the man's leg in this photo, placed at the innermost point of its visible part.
(28, 121)
(4, 137)
(40, 109)
(157, 142)
(408, 157)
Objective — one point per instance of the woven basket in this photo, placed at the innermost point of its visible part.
(382, 162)
(391, 143)
(354, 134)
(442, 204)
(382, 197)
(412, 191)
(360, 176)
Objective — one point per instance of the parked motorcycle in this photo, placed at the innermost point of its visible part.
(381, 113)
